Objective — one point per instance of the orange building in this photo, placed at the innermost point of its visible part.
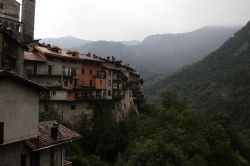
(92, 79)
(93, 75)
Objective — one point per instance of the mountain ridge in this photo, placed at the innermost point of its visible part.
(219, 82)
(169, 54)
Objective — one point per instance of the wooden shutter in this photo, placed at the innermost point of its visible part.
(1, 132)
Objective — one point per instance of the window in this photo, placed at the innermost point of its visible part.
(46, 107)
(82, 70)
(73, 107)
(75, 82)
(65, 83)
(109, 83)
(23, 160)
(90, 72)
(65, 71)
(52, 155)
(109, 93)
(1, 5)
(90, 83)
(73, 72)
(50, 70)
(110, 73)
(100, 82)
(35, 68)
(1, 132)
(52, 93)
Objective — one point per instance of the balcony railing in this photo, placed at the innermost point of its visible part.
(45, 97)
(91, 97)
(100, 75)
(118, 96)
(138, 96)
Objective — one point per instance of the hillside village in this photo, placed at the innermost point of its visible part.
(37, 77)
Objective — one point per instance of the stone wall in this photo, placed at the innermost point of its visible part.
(56, 152)
(70, 112)
(125, 106)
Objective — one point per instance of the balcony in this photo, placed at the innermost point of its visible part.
(32, 74)
(100, 75)
(89, 97)
(45, 97)
(138, 96)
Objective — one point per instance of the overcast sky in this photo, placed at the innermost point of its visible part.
(134, 19)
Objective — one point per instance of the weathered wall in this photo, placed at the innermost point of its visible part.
(10, 10)
(28, 19)
(125, 106)
(10, 155)
(19, 107)
(45, 156)
(109, 84)
(58, 95)
(20, 60)
(1, 49)
(69, 114)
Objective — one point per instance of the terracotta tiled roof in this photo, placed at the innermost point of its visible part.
(63, 54)
(31, 56)
(45, 140)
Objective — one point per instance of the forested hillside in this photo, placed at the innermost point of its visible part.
(174, 135)
(220, 82)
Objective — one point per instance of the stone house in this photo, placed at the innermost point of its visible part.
(19, 126)
(74, 80)
(11, 50)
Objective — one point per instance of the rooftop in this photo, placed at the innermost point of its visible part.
(45, 140)
(31, 56)
(57, 52)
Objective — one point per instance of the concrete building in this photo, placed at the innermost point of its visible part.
(10, 15)
(74, 80)
(11, 49)
(23, 140)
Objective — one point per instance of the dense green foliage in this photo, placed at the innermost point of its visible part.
(220, 82)
(174, 135)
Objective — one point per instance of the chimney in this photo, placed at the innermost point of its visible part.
(113, 58)
(108, 58)
(28, 19)
(54, 130)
